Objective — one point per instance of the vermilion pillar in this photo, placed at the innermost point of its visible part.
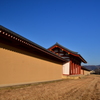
(70, 67)
(75, 69)
(79, 69)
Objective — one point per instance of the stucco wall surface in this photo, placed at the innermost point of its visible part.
(86, 72)
(17, 68)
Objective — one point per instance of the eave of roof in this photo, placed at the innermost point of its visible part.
(57, 44)
(70, 51)
(19, 38)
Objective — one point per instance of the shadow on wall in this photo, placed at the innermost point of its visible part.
(24, 49)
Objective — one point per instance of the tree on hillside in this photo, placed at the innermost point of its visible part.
(97, 70)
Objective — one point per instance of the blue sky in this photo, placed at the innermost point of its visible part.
(74, 24)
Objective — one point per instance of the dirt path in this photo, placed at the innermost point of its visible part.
(87, 88)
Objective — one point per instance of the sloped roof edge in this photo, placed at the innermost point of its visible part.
(75, 53)
(32, 43)
(64, 48)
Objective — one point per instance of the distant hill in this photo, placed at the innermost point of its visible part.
(91, 67)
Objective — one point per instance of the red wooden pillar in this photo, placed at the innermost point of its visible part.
(80, 70)
(77, 69)
(70, 67)
(73, 68)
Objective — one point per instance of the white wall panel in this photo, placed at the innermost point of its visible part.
(66, 68)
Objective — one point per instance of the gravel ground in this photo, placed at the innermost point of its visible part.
(87, 88)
